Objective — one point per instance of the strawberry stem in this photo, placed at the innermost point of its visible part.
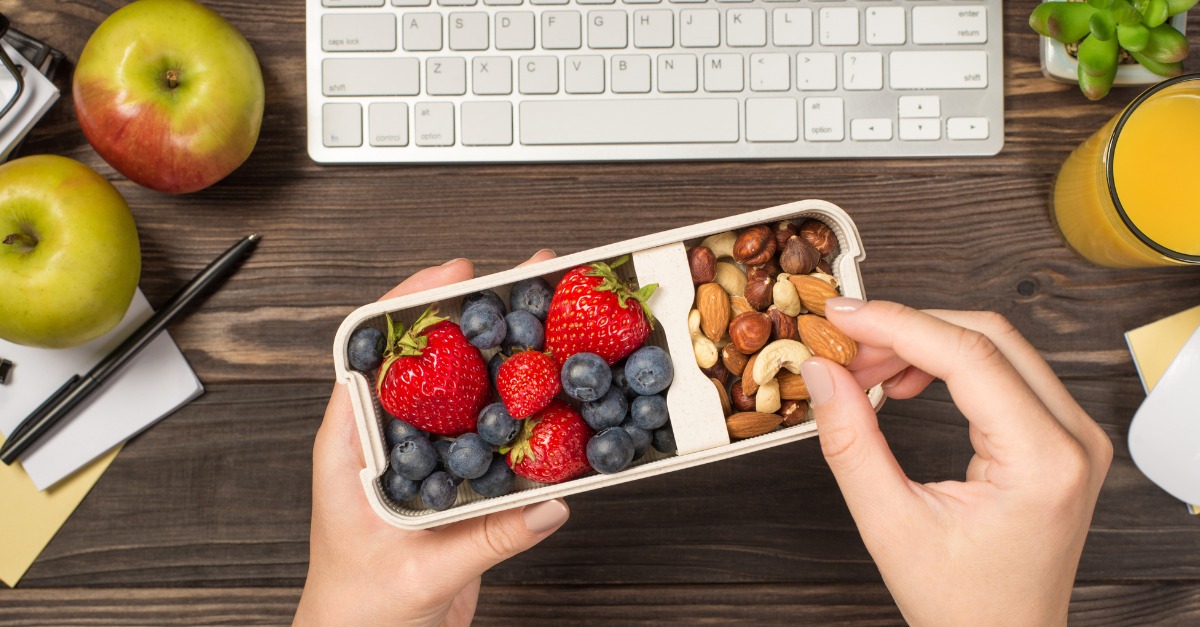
(520, 448)
(410, 343)
(610, 282)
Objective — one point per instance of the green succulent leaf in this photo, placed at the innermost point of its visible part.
(1125, 14)
(1175, 7)
(1066, 22)
(1100, 4)
(1155, 13)
(1096, 87)
(1166, 45)
(1103, 25)
(1162, 69)
(1098, 57)
(1133, 38)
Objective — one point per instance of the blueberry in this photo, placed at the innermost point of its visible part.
(414, 458)
(396, 430)
(439, 491)
(532, 295)
(663, 439)
(649, 370)
(494, 364)
(443, 451)
(365, 351)
(469, 456)
(488, 298)
(641, 439)
(608, 411)
(399, 488)
(619, 380)
(483, 327)
(524, 331)
(496, 426)
(586, 376)
(648, 412)
(610, 450)
(497, 481)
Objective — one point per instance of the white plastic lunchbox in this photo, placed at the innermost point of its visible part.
(692, 401)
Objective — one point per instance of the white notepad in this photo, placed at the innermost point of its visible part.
(155, 383)
(39, 94)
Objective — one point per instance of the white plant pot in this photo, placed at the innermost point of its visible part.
(1058, 65)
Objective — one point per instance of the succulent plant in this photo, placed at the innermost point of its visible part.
(1103, 27)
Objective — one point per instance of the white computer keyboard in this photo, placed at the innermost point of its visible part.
(412, 81)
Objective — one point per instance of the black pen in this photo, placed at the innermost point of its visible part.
(77, 389)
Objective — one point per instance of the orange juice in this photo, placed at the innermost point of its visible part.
(1129, 196)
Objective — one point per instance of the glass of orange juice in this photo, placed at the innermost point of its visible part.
(1129, 196)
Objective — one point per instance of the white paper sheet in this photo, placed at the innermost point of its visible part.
(39, 94)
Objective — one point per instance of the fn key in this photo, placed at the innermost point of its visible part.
(341, 124)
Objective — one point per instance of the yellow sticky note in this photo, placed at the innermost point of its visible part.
(30, 518)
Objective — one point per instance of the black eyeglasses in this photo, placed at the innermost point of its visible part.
(11, 68)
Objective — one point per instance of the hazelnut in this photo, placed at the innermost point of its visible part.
(794, 412)
(783, 231)
(770, 268)
(703, 264)
(754, 246)
(750, 331)
(739, 400)
(758, 289)
(717, 371)
(824, 268)
(798, 256)
(735, 362)
(783, 326)
(820, 236)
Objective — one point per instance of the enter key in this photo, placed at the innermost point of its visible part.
(963, 24)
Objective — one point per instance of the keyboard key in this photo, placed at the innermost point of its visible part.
(584, 74)
(871, 129)
(388, 124)
(771, 120)
(920, 130)
(548, 1)
(770, 72)
(537, 75)
(951, 69)
(964, 24)
(457, 3)
(823, 120)
(967, 128)
(838, 26)
(746, 27)
(641, 1)
(816, 71)
(885, 26)
(410, 3)
(595, 1)
(723, 72)
(607, 30)
(654, 29)
(514, 30)
(677, 73)
(630, 74)
(358, 32)
(700, 28)
(351, 3)
(445, 76)
(792, 27)
(561, 30)
(506, 3)
(422, 31)
(920, 107)
(671, 121)
(434, 123)
(468, 31)
(863, 70)
(487, 123)
(341, 124)
(491, 76)
(370, 77)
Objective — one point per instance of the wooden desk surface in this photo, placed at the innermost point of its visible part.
(204, 518)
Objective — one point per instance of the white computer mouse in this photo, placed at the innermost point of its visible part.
(1164, 437)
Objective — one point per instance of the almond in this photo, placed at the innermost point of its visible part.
(749, 386)
(748, 424)
(725, 408)
(735, 361)
(713, 304)
(826, 340)
(791, 386)
(813, 292)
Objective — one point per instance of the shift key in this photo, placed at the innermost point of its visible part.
(950, 69)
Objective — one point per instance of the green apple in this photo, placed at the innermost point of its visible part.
(69, 253)
(170, 94)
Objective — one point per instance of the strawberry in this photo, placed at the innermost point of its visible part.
(527, 382)
(593, 311)
(433, 379)
(552, 447)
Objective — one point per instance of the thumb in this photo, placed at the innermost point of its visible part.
(867, 472)
(477, 544)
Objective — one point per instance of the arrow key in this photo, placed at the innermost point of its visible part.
(967, 128)
(871, 129)
(920, 129)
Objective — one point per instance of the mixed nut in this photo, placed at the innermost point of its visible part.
(759, 312)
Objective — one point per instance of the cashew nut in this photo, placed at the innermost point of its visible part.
(767, 400)
(730, 277)
(786, 298)
(721, 244)
(705, 350)
(779, 354)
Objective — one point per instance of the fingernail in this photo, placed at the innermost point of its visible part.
(453, 261)
(542, 517)
(818, 380)
(844, 304)
(545, 251)
(893, 380)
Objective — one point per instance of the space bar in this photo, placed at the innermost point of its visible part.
(675, 121)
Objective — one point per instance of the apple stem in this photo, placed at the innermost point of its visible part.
(172, 78)
(23, 239)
